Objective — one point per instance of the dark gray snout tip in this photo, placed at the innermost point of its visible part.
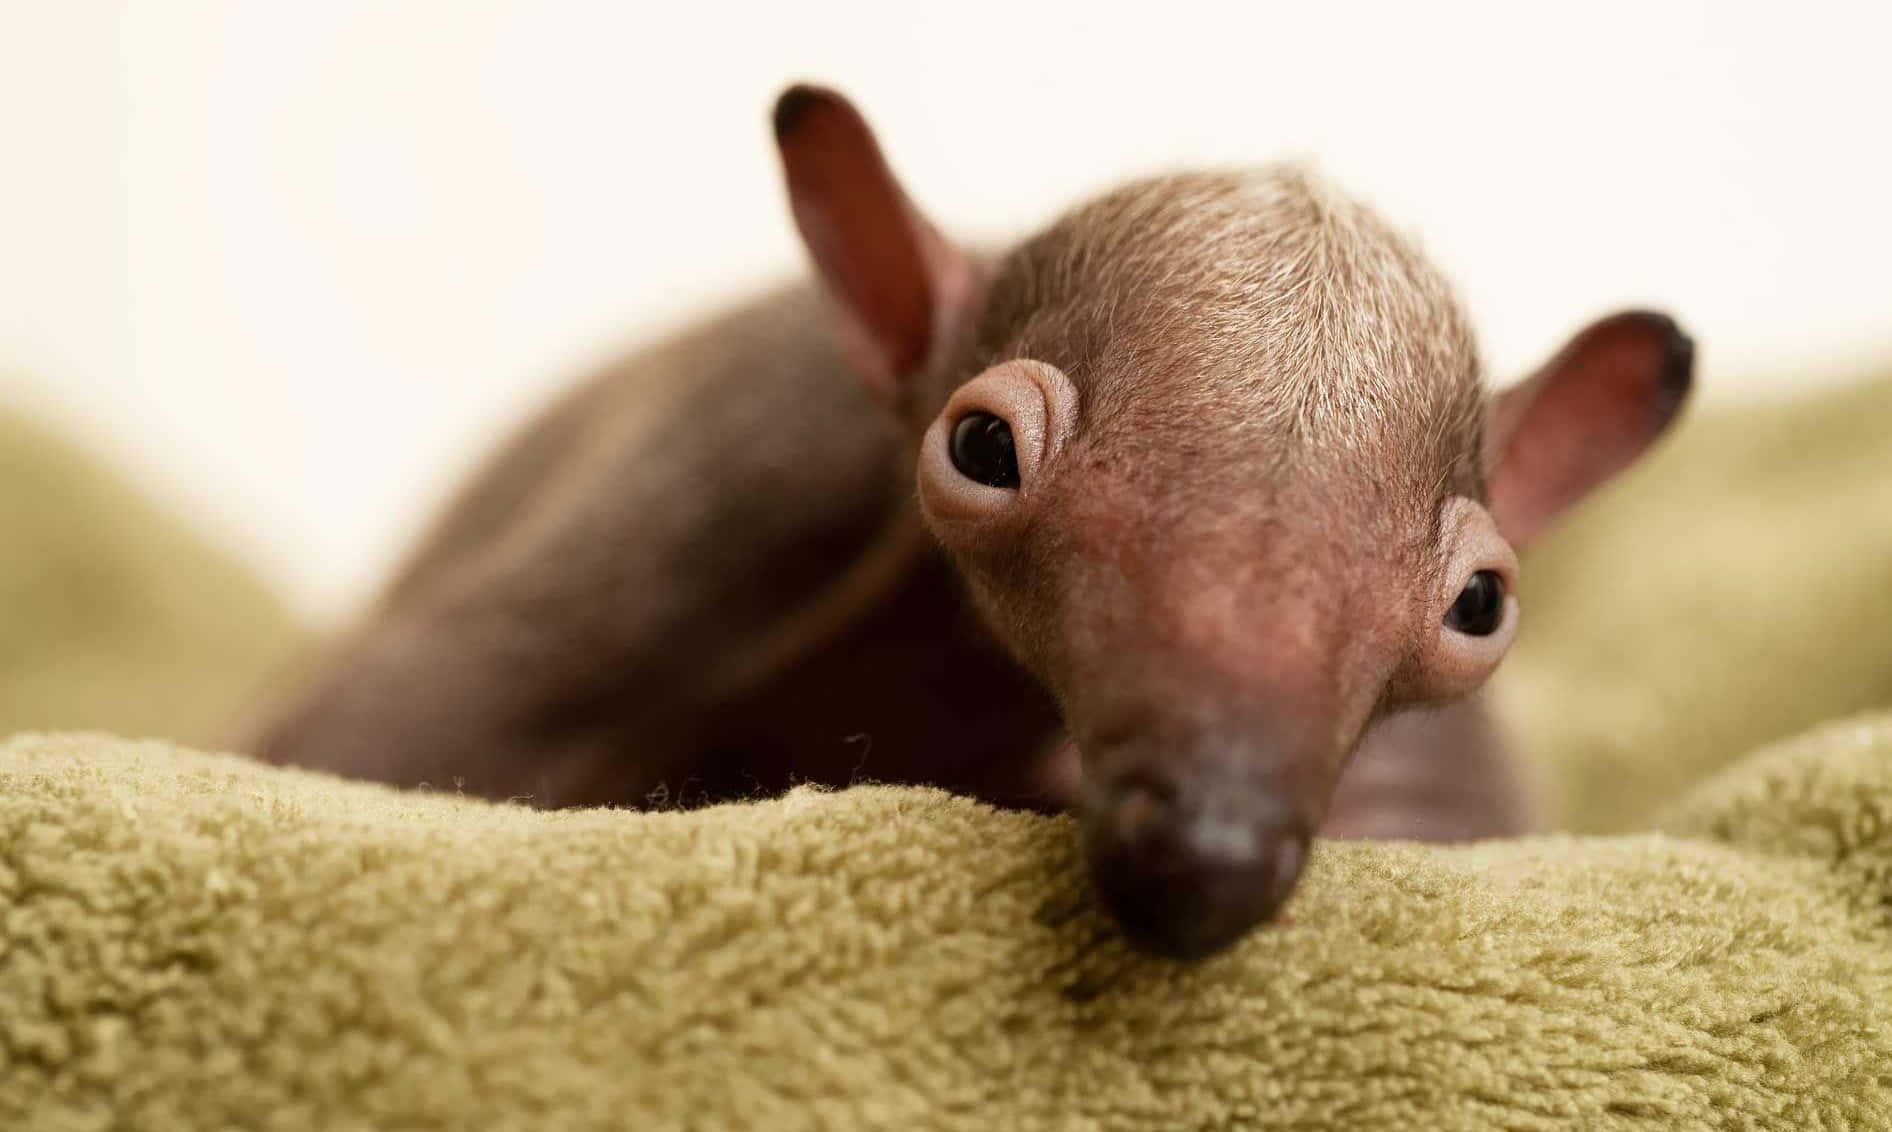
(1186, 875)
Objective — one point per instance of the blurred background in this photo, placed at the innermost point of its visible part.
(290, 266)
(273, 274)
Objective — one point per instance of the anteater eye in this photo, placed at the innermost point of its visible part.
(1479, 610)
(982, 450)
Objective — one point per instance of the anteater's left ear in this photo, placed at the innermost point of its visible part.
(1586, 415)
(898, 284)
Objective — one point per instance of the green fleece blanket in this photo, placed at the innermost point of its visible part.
(193, 941)
(113, 613)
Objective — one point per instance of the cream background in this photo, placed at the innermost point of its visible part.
(296, 264)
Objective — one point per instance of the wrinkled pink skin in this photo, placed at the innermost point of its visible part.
(742, 560)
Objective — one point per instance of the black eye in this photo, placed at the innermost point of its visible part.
(1479, 609)
(982, 450)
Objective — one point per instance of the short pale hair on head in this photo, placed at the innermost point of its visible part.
(1259, 300)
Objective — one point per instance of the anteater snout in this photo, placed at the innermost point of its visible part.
(1187, 867)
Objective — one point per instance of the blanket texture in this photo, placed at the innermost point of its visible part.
(194, 941)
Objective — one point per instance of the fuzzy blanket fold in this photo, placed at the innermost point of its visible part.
(194, 941)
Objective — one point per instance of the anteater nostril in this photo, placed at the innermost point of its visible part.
(1141, 810)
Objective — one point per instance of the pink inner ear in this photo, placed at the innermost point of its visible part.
(867, 241)
(1584, 417)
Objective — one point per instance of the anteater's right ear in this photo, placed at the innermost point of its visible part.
(896, 280)
(1590, 412)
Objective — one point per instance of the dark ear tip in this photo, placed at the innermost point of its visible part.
(1678, 360)
(794, 104)
(1678, 371)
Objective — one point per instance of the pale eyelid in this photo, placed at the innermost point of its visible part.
(1497, 556)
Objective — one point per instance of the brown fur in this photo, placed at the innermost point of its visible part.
(706, 573)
